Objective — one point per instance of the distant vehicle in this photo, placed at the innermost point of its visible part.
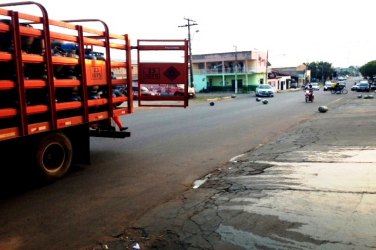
(342, 82)
(339, 89)
(328, 86)
(264, 90)
(309, 96)
(191, 92)
(315, 86)
(144, 91)
(293, 85)
(175, 90)
(373, 86)
(354, 87)
(363, 87)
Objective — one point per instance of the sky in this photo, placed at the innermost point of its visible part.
(291, 31)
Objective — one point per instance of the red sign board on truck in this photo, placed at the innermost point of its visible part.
(163, 75)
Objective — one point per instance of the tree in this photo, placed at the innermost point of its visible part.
(368, 70)
(321, 70)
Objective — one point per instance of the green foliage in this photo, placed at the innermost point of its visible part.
(368, 70)
(321, 70)
(345, 72)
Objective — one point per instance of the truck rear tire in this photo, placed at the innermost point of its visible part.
(53, 156)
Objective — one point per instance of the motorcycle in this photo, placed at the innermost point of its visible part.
(341, 89)
(309, 96)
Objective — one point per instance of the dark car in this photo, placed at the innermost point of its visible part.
(373, 86)
(362, 87)
(294, 85)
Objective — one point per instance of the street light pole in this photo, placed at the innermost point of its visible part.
(266, 67)
(236, 69)
(190, 23)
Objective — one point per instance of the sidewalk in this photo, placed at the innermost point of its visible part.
(312, 188)
(317, 189)
(233, 95)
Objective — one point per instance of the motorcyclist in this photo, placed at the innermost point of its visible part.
(309, 92)
(336, 87)
(309, 87)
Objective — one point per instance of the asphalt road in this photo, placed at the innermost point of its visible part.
(169, 150)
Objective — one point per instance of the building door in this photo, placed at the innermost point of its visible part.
(240, 84)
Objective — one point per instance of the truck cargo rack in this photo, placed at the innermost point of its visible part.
(22, 116)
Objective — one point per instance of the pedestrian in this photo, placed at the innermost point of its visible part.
(119, 123)
(116, 92)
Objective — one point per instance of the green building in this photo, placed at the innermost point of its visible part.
(239, 71)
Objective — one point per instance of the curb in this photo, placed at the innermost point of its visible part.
(219, 98)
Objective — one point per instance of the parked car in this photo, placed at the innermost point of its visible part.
(294, 85)
(175, 90)
(191, 92)
(328, 86)
(354, 87)
(373, 86)
(144, 91)
(264, 90)
(362, 87)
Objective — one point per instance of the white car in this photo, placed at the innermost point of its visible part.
(315, 86)
(264, 90)
(328, 85)
(191, 92)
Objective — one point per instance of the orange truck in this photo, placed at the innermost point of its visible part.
(58, 82)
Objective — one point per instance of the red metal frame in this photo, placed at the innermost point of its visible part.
(89, 111)
(162, 72)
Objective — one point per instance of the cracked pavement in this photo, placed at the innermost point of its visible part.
(312, 188)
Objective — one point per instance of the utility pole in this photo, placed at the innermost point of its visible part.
(266, 67)
(190, 23)
(236, 69)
